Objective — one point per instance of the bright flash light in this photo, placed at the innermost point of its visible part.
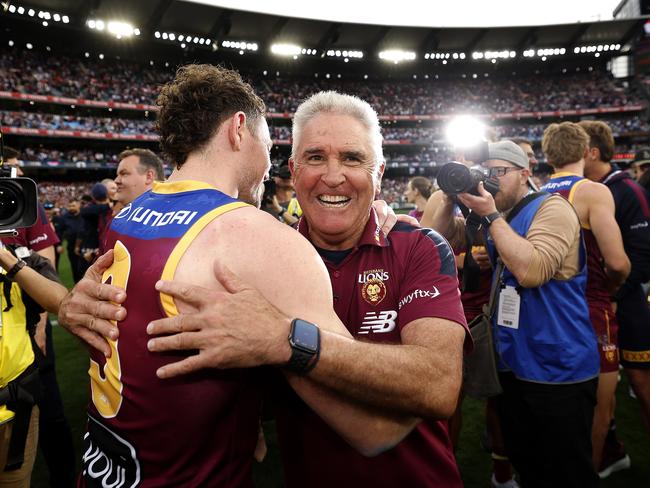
(397, 55)
(286, 49)
(122, 29)
(465, 131)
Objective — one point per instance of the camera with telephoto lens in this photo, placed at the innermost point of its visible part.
(18, 200)
(454, 177)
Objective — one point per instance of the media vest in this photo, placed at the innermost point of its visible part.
(16, 352)
(554, 342)
(195, 430)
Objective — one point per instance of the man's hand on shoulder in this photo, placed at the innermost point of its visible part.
(216, 328)
(87, 311)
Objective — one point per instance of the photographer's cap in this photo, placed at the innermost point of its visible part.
(511, 152)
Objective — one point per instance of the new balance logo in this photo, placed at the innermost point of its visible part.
(378, 322)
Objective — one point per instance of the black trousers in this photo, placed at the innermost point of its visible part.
(54, 436)
(547, 431)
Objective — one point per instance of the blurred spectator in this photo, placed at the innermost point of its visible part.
(418, 191)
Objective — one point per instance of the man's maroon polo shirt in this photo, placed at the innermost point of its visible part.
(379, 287)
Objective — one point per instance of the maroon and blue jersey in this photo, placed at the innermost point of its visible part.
(379, 286)
(597, 293)
(195, 430)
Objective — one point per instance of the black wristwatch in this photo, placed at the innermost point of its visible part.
(488, 219)
(11, 274)
(304, 339)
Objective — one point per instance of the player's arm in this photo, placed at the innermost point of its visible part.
(606, 231)
(421, 376)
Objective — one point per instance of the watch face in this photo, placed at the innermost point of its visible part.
(305, 335)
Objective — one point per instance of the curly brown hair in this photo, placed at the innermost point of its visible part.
(564, 143)
(196, 102)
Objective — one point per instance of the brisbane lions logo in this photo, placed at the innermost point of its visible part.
(373, 291)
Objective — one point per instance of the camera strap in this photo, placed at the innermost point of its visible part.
(471, 269)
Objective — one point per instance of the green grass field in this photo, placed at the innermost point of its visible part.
(474, 463)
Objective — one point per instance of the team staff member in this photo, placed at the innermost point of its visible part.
(633, 217)
(136, 173)
(337, 168)
(545, 344)
(565, 145)
(241, 140)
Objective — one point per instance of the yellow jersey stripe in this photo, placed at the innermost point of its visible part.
(168, 304)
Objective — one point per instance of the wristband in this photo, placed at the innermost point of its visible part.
(11, 274)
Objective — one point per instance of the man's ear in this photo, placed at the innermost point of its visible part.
(292, 167)
(150, 177)
(236, 125)
(378, 176)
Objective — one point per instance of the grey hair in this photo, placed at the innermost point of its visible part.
(337, 103)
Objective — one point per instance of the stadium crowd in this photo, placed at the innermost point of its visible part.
(36, 120)
(121, 81)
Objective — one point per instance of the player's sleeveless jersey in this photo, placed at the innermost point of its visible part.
(565, 184)
(195, 430)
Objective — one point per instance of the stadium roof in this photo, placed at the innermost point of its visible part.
(221, 23)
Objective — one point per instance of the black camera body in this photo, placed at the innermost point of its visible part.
(454, 178)
(18, 200)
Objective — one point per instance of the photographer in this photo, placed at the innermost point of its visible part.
(546, 347)
(279, 196)
(29, 286)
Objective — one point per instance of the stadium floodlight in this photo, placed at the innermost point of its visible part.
(65, 19)
(56, 17)
(286, 49)
(91, 23)
(99, 25)
(45, 24)
(396, 55)
(21, 10)
(465, 131)
(172, 36)
(11, 43)
(29, 45)
(120, 29)
(12, 9)
(136, 32)
(157, 35)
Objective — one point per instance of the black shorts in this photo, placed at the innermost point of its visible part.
(634, 330)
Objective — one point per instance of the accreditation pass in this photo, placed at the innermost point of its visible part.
(508, 313)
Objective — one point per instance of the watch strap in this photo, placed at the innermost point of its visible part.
(303, 361)
(11, 274)
(488, 219)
